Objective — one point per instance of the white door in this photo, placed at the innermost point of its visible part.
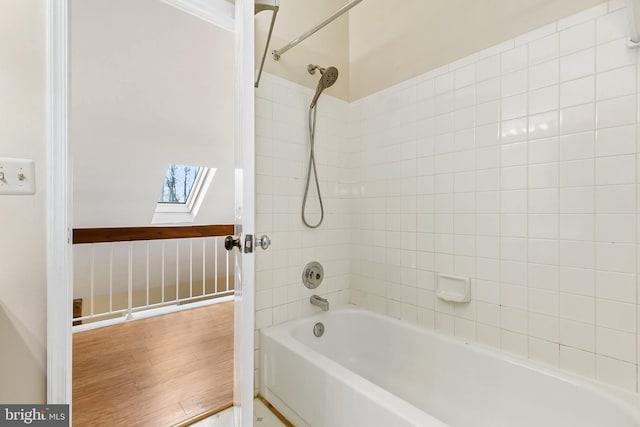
(244, 215)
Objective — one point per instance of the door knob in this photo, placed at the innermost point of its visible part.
(264, 242)
(231, 241)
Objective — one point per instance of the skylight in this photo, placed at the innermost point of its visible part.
(183, 190)
(178, 183)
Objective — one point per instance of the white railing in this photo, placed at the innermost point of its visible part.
(120, 281)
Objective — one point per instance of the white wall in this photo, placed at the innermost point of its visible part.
(150, 85)
(515, 166)
(23, 249)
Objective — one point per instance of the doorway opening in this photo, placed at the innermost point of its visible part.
(151, 86)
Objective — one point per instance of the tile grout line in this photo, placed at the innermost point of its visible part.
(527, 208)
(558, 168)
(636, 223)
(595, 215)
(499, 216)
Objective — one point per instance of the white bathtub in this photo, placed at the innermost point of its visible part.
(370, 370)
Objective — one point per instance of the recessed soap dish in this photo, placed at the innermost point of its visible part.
(453, 288)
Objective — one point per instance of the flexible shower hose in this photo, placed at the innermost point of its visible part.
(312, 165)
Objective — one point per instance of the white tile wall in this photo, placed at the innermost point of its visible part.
(518, 167)
(282, 150)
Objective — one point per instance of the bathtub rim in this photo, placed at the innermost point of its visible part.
(627, 400)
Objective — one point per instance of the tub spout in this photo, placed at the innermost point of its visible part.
(319, 302)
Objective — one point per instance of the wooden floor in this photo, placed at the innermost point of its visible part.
(154, 372)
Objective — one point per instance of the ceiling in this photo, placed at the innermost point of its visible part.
(383, 43)
(389, 43)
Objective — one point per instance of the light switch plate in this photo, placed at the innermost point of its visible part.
(17, 176)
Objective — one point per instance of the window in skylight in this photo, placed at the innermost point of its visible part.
(183, 190)
(178, 183)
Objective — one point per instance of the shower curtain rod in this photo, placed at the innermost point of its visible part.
(335, 15)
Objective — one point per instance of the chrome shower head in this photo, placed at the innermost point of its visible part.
(328, 79)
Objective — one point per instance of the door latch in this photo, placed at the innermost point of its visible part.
(248, 244)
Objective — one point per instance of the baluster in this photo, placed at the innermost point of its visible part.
(130, 284)
(147, 272)
(162, 291)
(177, 270)
(227, 275)
(204, 265)
(215, 266)
(110, 277)
(93, 274)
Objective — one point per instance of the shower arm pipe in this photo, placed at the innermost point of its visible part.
(335, 15)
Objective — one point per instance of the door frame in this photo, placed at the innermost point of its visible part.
(59, 255)
(59, 190)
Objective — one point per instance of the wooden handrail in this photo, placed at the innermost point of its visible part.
(128, 234)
